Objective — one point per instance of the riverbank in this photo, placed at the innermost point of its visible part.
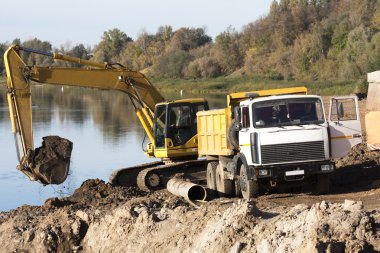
(236, 84)
(222, 85)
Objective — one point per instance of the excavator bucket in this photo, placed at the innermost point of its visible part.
(50, 163)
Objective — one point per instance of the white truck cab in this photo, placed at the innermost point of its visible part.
(290, 137)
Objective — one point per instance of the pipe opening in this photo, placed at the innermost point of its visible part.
(197, 192)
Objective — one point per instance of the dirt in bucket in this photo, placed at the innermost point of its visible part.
(52, 160)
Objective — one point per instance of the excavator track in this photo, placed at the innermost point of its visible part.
(155, 178)
(127, 176)
(155, 175)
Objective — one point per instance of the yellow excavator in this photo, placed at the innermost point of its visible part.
(170, 125)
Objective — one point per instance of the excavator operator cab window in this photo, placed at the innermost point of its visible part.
(181, 122)
(160, 126)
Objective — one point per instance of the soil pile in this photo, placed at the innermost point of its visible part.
(359, 155)
(160, 222)
(360, 168)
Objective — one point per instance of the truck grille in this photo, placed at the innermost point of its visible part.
(291, 152)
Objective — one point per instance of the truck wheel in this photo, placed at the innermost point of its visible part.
(237, 191)
(224, 187)
(323, 184)
(211, 177)
(249, 188)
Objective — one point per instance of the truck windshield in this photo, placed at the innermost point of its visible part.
(287, 112)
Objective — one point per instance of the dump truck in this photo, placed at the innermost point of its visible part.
(270, 137)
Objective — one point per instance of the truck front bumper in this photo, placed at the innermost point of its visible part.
(291, 171)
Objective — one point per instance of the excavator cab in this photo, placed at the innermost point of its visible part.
(175, 128)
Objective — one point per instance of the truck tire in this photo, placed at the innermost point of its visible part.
(211, 178)
(323, 184)
(249, 188)
(224, 187)
(233, 134)
(237, 189)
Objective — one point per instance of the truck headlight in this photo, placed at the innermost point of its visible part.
(263, 172)
(327, 167)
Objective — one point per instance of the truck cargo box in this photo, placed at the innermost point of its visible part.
(212, 132)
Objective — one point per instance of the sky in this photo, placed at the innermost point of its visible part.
(70, 22)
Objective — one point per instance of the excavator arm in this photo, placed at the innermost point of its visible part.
(142, 93)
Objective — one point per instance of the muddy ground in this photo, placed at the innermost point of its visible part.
(99, 217)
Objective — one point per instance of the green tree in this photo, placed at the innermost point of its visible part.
(111, 46)
(374, 53)
(227, 51)
(172, 64)
(355, 56)
(189, 38)
(165, 33)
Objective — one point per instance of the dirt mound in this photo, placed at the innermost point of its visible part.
(322, 227)
(360, 168)
(95, 192)
(101, 218)
(359, 155)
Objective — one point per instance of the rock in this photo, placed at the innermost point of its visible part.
(75, 228)
(29, 236)
(323, 205)
(238, 246)
(352, 206)
(56, 203)
(82, 215)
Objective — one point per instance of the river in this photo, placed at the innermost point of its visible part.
(102, 125)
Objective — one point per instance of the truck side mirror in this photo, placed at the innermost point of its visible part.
(340, 110)
(237, 114)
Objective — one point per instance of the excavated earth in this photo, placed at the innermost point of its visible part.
(99, 217)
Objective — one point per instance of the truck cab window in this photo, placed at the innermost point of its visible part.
(245, 122)
(349, 112)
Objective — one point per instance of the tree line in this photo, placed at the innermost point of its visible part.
(301, 40)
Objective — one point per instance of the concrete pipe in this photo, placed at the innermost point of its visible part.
(186, 189)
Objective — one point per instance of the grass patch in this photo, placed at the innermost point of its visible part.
(236, 84)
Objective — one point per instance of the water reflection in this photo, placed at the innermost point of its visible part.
(102, 124)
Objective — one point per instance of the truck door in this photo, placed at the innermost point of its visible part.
(244, 133)
(344, 125)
